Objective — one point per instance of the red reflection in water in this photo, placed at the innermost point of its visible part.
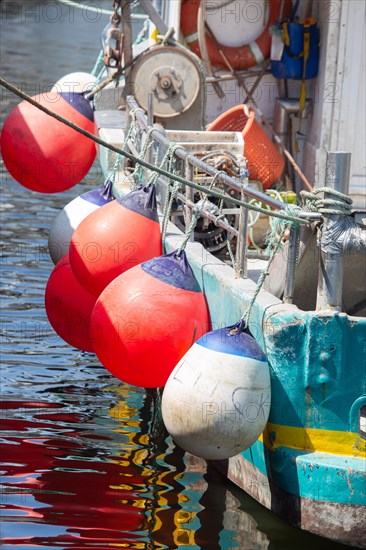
(75, 487)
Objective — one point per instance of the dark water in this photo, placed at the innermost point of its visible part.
(83, 465)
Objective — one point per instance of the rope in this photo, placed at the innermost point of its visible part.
(192, 225)
(98, 64)
(169, 200)
(340, 205)
(169, 153)
(196, 214)
(230, 250)
(114, 76)
(137, 173)
(281, 215)
(112, 174)
(278, 230)
(168, 206)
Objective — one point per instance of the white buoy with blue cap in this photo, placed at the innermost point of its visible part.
(70, 217)
(216, 401)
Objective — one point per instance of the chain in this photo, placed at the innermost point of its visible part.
(116, 17)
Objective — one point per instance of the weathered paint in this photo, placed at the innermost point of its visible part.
(313, 458)
(318, 384)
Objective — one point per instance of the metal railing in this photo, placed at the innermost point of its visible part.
(240, 230)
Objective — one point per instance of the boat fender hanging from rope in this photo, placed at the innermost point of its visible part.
(239, 57)
(41, 153)
(216, 401)
(69, 306)
(114, 238)
(70, 217)
(147, 319)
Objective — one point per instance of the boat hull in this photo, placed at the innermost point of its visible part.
(338, 521)
(309, 465)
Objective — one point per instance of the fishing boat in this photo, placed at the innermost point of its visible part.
(308, 466)
(213, 104)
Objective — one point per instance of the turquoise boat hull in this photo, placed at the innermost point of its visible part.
(309, 465)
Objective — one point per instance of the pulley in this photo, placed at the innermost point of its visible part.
(173, 77)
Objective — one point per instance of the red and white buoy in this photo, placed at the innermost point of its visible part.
(69, 307)
(43, 154)
(114, 238)
(147, 319)
(69, 218)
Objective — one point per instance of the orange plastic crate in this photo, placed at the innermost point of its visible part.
(264, 161)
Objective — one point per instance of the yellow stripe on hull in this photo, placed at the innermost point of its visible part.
(314, 440)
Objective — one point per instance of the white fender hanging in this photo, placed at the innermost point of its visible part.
(216, 401)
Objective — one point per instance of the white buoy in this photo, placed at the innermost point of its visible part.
(78, 82)
(216, 401)
(70, 217)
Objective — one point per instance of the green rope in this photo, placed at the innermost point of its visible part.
(168, 206)
(196, 214)
(192, 225)
(340, 205)
(112, 174)
(137, 174)
(169, 153)
(169, 199)
(278, 230)
(98, 64)
(229, 236)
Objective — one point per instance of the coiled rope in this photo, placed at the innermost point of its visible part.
(339, 205)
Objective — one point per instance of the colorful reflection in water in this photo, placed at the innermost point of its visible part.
(80, 476)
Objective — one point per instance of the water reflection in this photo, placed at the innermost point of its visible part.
(87, 477)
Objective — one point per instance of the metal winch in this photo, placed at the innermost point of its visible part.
(175, 78)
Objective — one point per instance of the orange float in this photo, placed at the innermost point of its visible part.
(239, 57)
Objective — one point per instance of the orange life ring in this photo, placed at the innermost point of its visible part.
(241, 57)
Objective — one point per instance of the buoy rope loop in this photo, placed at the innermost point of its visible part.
(98, 64)
(137, 174)
(112, 174)
(230, 250)
(168, 155)
(168, 206)
(196, 214)
(171, 195)
(275, 242)
(341, 203)
(276, 214)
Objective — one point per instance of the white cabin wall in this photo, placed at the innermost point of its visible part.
(338, 93)
(338, 122)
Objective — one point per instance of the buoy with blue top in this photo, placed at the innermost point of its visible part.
(216, 401)
(147, 319)
(78, 82)
(69, 218)
(114, 238)
(43, 154)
